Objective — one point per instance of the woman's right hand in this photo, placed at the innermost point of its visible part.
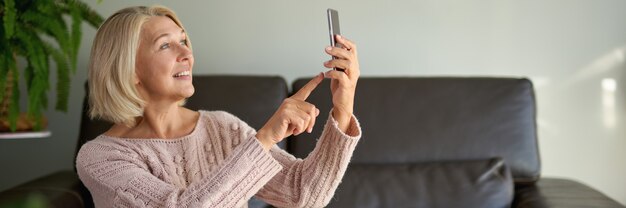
(293, 117)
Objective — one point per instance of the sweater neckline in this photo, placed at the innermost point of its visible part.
(191, 134)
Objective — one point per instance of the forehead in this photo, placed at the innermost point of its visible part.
(158, 25)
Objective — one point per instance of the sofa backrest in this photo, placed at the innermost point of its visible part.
(415, 120)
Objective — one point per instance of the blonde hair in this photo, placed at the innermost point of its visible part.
(112, 92)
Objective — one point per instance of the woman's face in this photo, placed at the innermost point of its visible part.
(164, 62)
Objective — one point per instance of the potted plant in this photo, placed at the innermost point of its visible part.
(38, 31)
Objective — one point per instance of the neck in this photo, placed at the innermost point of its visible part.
(162, 121)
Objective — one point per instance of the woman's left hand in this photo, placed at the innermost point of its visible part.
(343, 84)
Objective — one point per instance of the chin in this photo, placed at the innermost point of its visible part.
(189, 92)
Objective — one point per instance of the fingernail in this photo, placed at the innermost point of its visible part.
(326, 74)
(329, 48)
(338, 36)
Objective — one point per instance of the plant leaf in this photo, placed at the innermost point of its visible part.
(9, 18)
(37, 78)
(91, 16)
(77, 21)
(52, 25)
(36, 95)
(63, 77)
(36, 52)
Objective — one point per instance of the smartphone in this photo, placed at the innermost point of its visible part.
(333, 28)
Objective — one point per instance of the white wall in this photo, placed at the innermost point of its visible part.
(567, 47)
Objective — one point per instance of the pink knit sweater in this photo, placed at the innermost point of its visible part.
(220, 164)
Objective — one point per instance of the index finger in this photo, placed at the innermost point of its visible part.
(306, 90)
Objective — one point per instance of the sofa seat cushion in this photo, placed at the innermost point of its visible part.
(477, 183)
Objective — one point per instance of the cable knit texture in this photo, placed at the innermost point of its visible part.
(219, 164)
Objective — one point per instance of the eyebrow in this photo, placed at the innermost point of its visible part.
(166, 34)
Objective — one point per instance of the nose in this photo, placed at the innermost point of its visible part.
(185, 53)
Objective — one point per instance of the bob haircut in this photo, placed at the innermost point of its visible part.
(112, 93)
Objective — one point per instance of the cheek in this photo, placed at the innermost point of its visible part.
(142, 66)
(155, 68)
(144, 72)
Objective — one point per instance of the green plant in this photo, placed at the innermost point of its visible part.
(33, 199)
(25, 25)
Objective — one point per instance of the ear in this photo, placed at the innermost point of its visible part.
(136, 79)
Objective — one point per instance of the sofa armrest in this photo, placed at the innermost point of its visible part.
(557, 193)
(60, 189)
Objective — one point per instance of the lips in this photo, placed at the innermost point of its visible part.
(183, 73)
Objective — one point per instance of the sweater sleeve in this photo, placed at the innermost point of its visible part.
(312, 182)
(123, 180)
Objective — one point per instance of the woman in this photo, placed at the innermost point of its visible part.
(161, 154)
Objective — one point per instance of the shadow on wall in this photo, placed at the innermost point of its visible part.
(597, 89)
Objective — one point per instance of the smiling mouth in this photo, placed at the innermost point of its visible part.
(183, 73)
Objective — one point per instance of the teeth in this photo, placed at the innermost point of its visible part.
(179, 74)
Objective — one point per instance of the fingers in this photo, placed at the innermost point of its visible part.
(300, 116)
(293, 117)
(340, 53)
(346, 49)
(312, 114)
(290, 130)
(299, 122)
(338, 63)
(302, 121)
(347, 44)
(306, 90)
(346, 57)
(340, 76)
(308, 113)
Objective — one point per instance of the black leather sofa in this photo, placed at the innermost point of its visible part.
(427, 142)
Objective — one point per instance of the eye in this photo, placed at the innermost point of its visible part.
(164, 46)
(183, 42)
